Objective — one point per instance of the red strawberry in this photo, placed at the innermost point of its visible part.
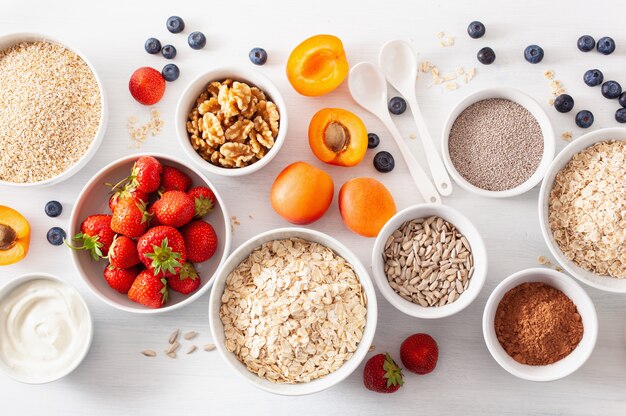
(95, 235)
(186, 281)
(200, 240)
(204, 200)
(145, 175)
(130, 218)
(147, 85)
(419, 353)
(126, 192)
(149, 290)
(121, 279)
(162, 250)
(174, 180)
(382, 375)
(174, 208)
(123, 252)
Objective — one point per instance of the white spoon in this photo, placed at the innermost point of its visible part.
(369, 89)
(398, 61)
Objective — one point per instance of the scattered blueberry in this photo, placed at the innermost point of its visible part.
(593, 77)
(586, 43)
(476, 30)
(168, 52)
(397, 105)
(622, 99)
(486, 56)
(53, 209)
(584, 119)
(258, 56)
(372, 140)
(56, 236)
(564, 103)
(383, 162)
(153, 46)
(196, 40)
(606, 45)
(175, 24)
(170, 72)
(533, 54)
(611, 89)
(620, 115)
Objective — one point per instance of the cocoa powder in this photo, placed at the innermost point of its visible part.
(537, 324)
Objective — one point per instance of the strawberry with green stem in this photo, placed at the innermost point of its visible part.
(130, 218)
(162, 250)
(186, 281)
(95, 236)
(204, 200)
(382, 375)
(149, 290)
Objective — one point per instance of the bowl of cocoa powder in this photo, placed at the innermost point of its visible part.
(540, 325)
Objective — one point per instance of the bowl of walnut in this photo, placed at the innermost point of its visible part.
(231, 122)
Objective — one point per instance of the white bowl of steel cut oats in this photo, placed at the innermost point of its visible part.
(293, 311)
(231, 122)
(582, 209)
(53, 113)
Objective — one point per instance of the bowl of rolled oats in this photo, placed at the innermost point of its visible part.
(582, 209)
(54, 111)
(293, 311)
(231, 122)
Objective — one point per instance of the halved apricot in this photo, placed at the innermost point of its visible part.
(338, 137)
(365, 206)
(14, 236)
(318, 65)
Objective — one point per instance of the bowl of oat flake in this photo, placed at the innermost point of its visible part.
(293, 311)
(54, 111)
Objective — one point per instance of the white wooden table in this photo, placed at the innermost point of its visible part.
(116, 379)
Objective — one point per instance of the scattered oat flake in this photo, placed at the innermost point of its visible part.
(209, 347)
(190, 335)
(542, 260)
(567, 136)
(451, 85)
(558, 268)
(139, 134)
(548, 74)
(440, 35)
(192, 349)
(371, 348)
(149, 353)
(173, 337)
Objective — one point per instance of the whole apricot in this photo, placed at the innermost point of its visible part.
(365, 205)
(302, 193)
(338, 137)
(14, 236)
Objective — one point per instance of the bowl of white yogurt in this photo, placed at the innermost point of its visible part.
(45, 328)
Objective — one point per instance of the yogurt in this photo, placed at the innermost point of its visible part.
(45, 330)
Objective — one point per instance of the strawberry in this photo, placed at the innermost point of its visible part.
(382, 375)
(121, 279)
(130, 218)
(95, 235)
(145, 175)
(174, 208)
(200, 240)
(186, 281)
(204, 200)
(149, 290)
(419, 353)
(147, 85)
(173, 179)
(154, 222)
(162, 250)
(123, 252)
(126, 191)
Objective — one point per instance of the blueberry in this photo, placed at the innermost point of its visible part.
(564, 103)
(175, 24)
(397, 105)
(593, 77)
(372, 140)
(620, 115)
(586, 43)
(170, 72)
(56, 236)
(611, 89)
(196, 40)
(383, 162)
(606, 45)
(622, 99)
(153, 46)
(53, 209)
(476, 30)
(258, 56)
(168, 52)
(533, 54)
(486, 56)
(584, 119)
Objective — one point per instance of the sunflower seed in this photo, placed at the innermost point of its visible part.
(171, 354)
(172, 339)
(149, 353)
(192, 349)
(190, 335)
(172, 348)
(209, 347)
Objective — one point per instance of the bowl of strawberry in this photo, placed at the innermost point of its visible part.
(148, 233)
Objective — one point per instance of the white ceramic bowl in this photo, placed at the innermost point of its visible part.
(465, 227)
(583, 303)
(187, 102)
(606, 283)
(525, 101)
(9, 40)
(18, 281)
(217, 328)
(93, 199)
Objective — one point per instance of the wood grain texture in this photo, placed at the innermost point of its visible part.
(116, 379)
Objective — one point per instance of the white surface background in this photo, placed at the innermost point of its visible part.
(116, 379)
